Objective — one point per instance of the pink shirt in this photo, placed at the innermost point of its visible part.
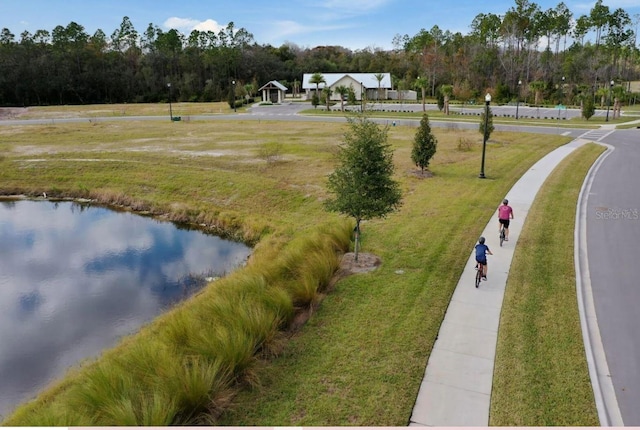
(505, 212)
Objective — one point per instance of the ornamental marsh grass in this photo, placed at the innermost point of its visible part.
(359, 359)
(189, 358)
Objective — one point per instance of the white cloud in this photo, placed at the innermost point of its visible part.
(208, 25)
(181, 23)
(186, 25)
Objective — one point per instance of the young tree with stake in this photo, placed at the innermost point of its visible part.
(362, 183)
(424, 144)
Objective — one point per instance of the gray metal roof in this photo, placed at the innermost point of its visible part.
(275, 84)
(368, 80)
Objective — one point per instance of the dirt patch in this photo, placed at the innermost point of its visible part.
(11, 113)
(366, 263)
(421, 173)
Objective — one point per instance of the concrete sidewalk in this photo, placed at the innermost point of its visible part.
(456, 389)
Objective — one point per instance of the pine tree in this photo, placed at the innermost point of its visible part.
(424, 144)
(362, 183)
(489, 122)
(588, 108)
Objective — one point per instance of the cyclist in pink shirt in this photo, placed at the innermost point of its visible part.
(505, 213)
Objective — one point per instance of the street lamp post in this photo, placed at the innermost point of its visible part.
(361, 97)
(518, 99)
(609, 103)
(170, 110)
(487, 100)
(233, 88)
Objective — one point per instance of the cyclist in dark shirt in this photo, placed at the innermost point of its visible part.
(481, 256)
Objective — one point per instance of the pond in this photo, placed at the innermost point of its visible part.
(75, 278)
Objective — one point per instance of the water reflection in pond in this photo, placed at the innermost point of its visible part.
(74, 279)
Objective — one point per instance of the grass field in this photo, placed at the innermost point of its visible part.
(577, 122)
(541, 376)
(360, 358)
(123, 109)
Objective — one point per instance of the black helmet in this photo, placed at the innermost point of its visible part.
(481, 240)
(505, 202)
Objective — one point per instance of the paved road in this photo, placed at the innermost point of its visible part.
(613, 242)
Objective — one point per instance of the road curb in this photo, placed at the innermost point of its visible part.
(603, 390)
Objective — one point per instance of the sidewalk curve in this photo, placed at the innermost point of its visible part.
(456, 389)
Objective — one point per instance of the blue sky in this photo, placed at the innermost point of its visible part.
(355, 24)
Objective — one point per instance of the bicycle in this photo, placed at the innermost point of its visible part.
(502, 234)
(480, 271)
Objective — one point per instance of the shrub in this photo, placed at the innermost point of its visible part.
(588, 108)
(465, 144)
(424, 144)
(271, 152)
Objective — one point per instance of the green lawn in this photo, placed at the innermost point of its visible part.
(399, 113)
(360, 358)
(541, 376)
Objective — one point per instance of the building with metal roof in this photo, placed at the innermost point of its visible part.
(366, 84)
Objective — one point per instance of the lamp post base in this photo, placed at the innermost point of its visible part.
(481, 176)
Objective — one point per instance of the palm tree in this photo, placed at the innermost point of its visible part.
(379, 77)
(317, 79)
(447, 91)
(602, 93)
(618, 93)
(249, 89)
(537, 87)
(422, 83)
(583, 93)
(296, 87)
(343, 91)
(326, 92)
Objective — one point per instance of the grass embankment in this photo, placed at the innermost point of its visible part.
(541, 376)
(360, 359)
(628, 125)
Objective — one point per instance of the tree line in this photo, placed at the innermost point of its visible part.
(529, 54)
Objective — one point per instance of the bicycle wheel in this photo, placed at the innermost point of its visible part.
(501, 235)
(479, 275)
